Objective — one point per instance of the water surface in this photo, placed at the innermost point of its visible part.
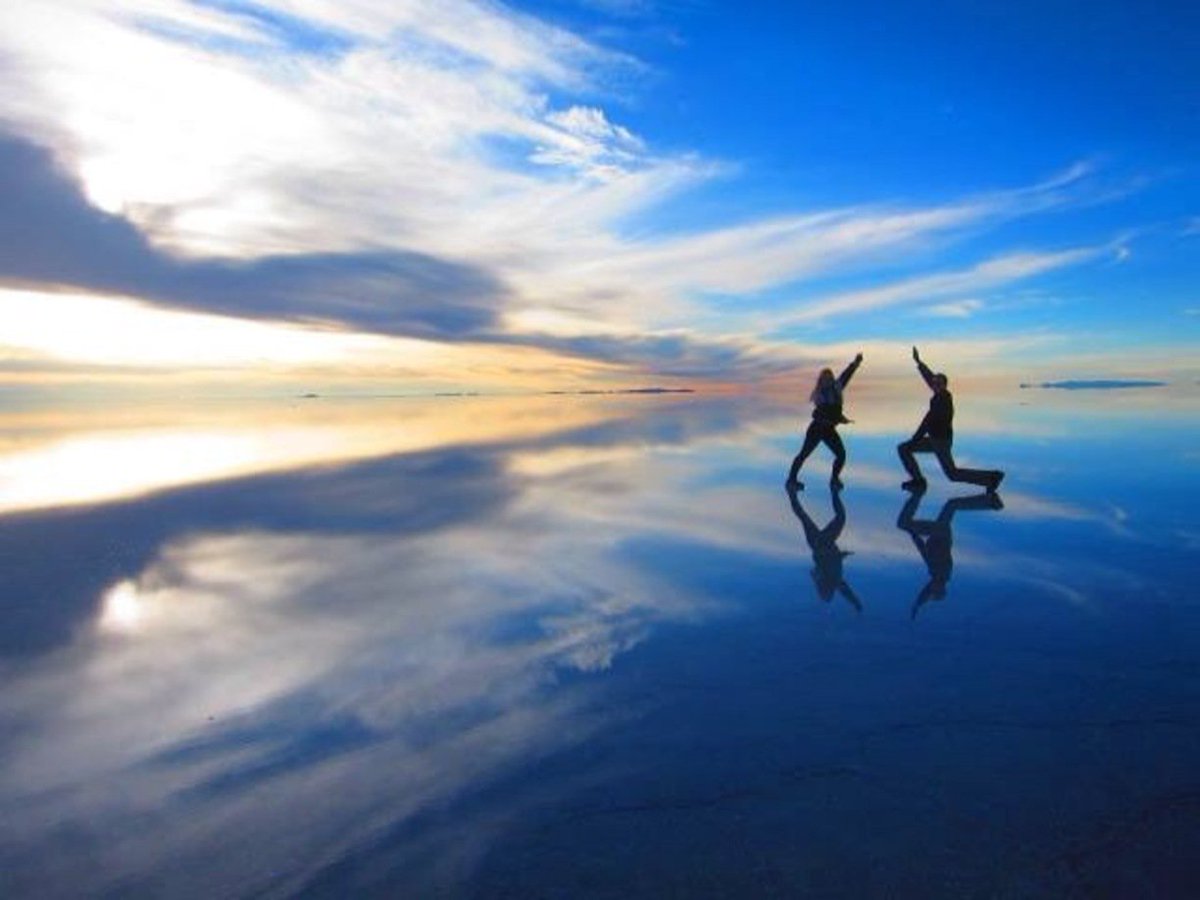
(586, 647)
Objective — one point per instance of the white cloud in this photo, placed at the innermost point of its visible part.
(390, 141)
(489, 33)
(996, 271)
(955, 309)
(460, 129)
(589, 142)
(647, 282)
(766, 252)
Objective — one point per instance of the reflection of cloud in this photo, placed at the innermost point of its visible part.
(442, 467)
(122, 608)
(1024, 505)
(290, 669)
(349, 661)
(358, 497)
(86, 465)
(346, 682)
(357, 486)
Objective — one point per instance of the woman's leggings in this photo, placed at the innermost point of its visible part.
(820, 432)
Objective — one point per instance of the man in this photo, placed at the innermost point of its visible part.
(935, 435)
(934, 539)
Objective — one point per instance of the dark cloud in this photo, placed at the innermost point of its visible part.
(57, 562)
(668, 355)
(50, 234)
(45, 598)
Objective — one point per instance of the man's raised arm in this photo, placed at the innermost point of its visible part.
(925, 371)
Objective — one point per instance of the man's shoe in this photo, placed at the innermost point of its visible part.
(997, 477)
(914, 484)
(836, 484)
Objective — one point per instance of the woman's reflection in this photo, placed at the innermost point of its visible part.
(934, 539)
(827, 558)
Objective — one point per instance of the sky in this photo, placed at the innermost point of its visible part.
(452, 194)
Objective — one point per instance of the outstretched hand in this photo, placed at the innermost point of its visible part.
(916, 355)
(858, 358)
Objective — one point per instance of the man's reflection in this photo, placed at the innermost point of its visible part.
(827, 558)
(934, 539)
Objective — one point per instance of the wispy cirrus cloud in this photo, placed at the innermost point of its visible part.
(999, 270)
(955, 309)
(661, 283)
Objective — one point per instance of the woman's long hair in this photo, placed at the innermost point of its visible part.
(826, 390)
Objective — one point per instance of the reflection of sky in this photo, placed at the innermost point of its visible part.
(57, 460)
(562, 637)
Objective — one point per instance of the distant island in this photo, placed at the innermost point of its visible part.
(1103, 384)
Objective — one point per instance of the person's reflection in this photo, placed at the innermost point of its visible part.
(934, 539)
(827, 558)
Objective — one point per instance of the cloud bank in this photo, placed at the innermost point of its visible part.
(49, 234)
(456, 171)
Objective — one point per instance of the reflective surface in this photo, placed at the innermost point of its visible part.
(589, 647)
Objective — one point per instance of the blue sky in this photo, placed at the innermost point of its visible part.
(469, 192)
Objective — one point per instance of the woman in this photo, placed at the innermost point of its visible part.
(827, 416)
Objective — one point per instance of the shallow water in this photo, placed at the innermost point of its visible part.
(582, 647)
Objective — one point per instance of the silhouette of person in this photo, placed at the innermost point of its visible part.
(935, 435)
(934, 539)
(827, 558)
(826, 417)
